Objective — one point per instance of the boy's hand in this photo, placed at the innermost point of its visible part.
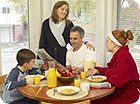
(30, 80)
(23, 78)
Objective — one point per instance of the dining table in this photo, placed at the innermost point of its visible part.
(40, 93)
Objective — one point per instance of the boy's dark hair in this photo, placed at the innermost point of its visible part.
(79, 29)
(24, 56)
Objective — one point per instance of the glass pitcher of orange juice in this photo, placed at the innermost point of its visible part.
(51, 76)
(88, 64)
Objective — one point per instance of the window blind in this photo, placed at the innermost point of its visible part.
(128, 18)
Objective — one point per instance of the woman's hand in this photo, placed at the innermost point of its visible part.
(90, 46)
(92, 71)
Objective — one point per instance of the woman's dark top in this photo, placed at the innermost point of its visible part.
(51, 45)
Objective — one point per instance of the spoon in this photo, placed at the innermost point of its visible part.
(54, 91)
(91, 77)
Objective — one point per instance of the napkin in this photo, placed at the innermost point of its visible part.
(100, 85)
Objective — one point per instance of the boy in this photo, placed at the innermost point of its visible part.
(26, 60)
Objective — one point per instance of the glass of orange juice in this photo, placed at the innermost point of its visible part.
(83, 75)
(77, 83)
(37, 80)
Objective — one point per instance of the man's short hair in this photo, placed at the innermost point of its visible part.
(79, 29)
(24, 56)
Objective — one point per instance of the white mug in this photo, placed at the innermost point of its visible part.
(85, 87)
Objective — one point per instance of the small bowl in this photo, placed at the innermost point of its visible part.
(66, 79)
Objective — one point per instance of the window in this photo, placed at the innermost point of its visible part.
(5, 10)
(128, 18)
(83, 13)
(93, 16)
(13, 32)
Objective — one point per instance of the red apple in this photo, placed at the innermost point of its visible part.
(63, 73)
(59, 70)
(71, 74)
(56, 65)
(69, 69)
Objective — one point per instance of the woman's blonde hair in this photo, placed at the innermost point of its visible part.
(122, 36)
(55, 15)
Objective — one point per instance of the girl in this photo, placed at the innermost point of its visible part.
(121, 71)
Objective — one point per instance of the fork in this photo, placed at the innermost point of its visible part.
(91, 77)
(54, 91)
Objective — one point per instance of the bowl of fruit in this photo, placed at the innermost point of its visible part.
(65, 75)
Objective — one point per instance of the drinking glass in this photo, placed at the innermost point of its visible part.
(51, 64)
(77, 83)
(37, 80)
(83, 75)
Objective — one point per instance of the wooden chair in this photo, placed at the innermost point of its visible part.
(83, 102)
(44, 103)
(2, 81)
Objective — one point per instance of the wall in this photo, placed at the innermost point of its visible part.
(40, 10)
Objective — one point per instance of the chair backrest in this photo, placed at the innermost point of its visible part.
(2, 79)
(83, 102)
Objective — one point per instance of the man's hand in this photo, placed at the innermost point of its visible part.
(44, 66)
(77, 70)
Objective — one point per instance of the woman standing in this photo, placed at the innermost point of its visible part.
(55, 32)
(121, 71)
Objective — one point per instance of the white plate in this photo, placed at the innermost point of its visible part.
(27, 76)
(42, 83)
(59, 89)
(90, 78)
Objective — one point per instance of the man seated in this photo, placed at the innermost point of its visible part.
(79, 52)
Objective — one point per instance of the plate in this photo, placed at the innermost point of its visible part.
(27, 76)
(68, 90)
(42, 81)
(97, 78)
